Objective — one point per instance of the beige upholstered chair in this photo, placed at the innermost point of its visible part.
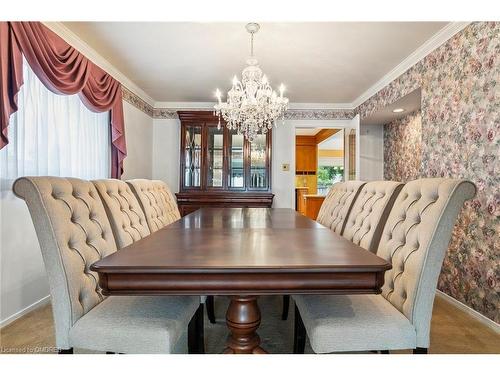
(160, 209)
(414, 239)
(333, 214)
(74, 232)
(369, 213)
(124, 212)
(157, 202)
(337, 205)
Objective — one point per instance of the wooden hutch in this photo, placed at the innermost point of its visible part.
(220, 168)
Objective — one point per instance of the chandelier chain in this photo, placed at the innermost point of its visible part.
(251, 45)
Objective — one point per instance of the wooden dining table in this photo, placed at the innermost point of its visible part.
(242, 253)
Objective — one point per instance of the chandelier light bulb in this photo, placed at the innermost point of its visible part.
(235, 81)
(264, 79)
(282, 90)
(218, 95)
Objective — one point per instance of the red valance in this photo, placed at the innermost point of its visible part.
(63, 70)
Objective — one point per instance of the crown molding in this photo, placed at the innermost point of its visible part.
(139, 98)
(430, 45)
(97, 59)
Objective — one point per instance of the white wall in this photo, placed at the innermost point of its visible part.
(139, 137)
(23, 279)
(166, 153)
(371, 152)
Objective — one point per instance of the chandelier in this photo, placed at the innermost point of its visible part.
(252, 106)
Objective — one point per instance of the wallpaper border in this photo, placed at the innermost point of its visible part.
(292, 114)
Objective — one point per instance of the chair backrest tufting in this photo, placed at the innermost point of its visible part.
(414, 240)
(157, 202)
(369, 213)
(74, 232)
(124, 212)
(337, 205)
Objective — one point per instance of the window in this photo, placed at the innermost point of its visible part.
(54, 135)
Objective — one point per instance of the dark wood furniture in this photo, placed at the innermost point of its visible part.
(219, 168)
(242, 253)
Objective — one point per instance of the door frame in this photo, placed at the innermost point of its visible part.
(323, 124)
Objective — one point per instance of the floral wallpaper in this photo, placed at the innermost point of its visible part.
(459, 135)
(403, 148)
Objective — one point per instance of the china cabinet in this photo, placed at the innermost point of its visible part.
(220, 168)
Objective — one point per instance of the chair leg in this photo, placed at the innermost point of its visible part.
(196, 335)
(299, 334)
(210, 309)
(65, 351)
(286, 306)
(418, 350)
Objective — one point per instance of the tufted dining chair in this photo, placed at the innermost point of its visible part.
(337, 205)
(414, 240)
(74, 232)
(124, 212)
(369, 213)
(333, 214)
(160, 209)
(157, 202)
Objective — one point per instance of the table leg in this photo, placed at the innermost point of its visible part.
(243, 319)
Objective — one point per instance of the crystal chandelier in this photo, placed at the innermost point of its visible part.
(252, 106)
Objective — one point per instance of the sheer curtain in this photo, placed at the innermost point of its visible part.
(54, 135)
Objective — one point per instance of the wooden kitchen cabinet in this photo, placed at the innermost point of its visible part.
(306, 155)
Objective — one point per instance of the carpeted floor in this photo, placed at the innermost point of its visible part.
(452, 330)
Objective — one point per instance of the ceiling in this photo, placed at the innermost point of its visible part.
(329, 62)
(335, 142)
(409, 103)
(307, 131)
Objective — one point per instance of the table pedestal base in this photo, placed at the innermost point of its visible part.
(243, 319)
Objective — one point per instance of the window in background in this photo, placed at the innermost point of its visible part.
(54, 135)
(327, 176)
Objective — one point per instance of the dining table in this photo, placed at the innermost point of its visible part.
(242, 253)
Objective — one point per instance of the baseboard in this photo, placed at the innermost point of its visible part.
(473, 313)
(19, 314)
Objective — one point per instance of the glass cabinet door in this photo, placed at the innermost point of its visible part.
(215, 156)
(236, 177)
(258, 163)
(192, 156)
